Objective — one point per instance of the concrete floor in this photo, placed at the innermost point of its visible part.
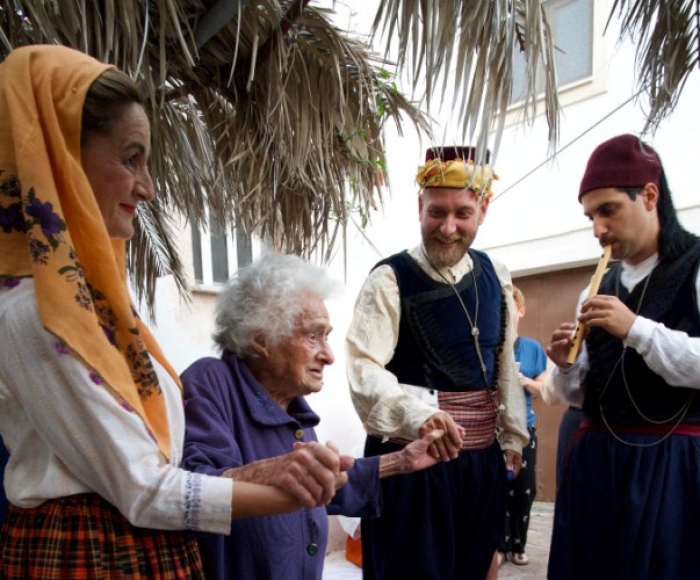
(538, 538)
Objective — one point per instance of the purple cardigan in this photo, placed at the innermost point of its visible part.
(232, 421)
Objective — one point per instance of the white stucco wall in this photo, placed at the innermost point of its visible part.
(535, 226)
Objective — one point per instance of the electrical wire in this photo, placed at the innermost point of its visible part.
(569, 144)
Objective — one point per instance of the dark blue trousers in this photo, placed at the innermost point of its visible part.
(627, 511)
(442, 523)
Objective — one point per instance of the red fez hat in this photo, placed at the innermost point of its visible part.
(463, 152)
(623, 161)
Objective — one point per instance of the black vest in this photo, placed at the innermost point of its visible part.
(670, 298)
(436, 348)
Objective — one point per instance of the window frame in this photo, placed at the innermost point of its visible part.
(582, 88)
(236, 256)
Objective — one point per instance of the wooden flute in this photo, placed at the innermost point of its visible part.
(592, 291)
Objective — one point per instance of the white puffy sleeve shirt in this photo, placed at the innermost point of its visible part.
(384, 406)
(68, 435)
(671, 354)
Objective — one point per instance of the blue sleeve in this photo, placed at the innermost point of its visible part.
(210, 446)
(361, 495)
(532, 357)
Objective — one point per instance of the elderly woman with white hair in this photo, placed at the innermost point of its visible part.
(272, 327)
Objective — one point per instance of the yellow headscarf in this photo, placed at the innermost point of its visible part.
(458, 174)
(51, 230)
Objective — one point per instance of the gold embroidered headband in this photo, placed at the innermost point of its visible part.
(458, 174)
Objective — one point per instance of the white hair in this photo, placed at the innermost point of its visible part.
(262, 300)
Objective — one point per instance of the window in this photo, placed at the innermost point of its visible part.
(572, 25)
(216, 255)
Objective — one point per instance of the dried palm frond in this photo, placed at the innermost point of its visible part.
(264, 116)
(470, 46)
(153, 253)
(667, 34)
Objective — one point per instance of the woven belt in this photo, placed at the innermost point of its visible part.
(475, 411)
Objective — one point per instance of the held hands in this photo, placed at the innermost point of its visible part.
(311, 473)
(414, 457)
(448, 446)
(316, 473)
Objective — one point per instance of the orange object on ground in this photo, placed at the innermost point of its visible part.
(353, 550)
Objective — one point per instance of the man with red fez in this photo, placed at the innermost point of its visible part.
(628, 505)
(431, 346)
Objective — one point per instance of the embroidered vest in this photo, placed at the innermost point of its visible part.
(669, 298)
(436, 348)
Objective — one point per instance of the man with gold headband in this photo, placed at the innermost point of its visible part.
(431, 346)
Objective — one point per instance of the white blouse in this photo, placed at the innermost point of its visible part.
(68, 435)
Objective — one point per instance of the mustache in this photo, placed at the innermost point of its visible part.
(448, 240)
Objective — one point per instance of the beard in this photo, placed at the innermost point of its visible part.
(442, 256)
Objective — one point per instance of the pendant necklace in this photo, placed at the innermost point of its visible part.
(473, 324)
(678, 416)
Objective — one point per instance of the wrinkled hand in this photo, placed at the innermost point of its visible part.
(449, 445)
(415, 456)
(514, 462)
(560, 344)
(346, 461)
(311, 473)
(608, 313)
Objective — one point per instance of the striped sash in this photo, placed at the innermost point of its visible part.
(475, 411)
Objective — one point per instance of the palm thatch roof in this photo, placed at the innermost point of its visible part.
(267, 117)
(667, 37)
(264, 116)
(468, 45)
(466, 49)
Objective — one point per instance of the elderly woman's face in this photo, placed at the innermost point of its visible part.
(116, 166)
(295, 366)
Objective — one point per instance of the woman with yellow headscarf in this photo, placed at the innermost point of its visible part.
(90, 410)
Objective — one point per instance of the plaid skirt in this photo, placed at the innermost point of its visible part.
(85, 537)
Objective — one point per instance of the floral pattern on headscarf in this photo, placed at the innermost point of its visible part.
(51, 231)
(23, 215)
(11, 216)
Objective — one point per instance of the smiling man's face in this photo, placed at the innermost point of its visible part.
(450, 219)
